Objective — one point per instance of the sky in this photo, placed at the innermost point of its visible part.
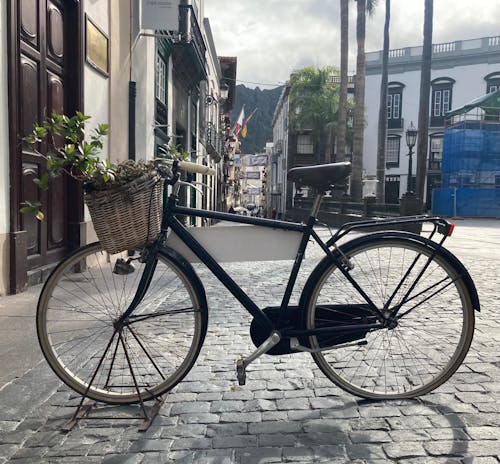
(272, 38)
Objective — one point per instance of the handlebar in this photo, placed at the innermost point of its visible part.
(196, 168)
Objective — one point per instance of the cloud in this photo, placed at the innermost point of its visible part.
(271, 38)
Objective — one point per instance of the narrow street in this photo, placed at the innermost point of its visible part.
(287, 412)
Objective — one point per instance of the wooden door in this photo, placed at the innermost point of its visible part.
(44, 76)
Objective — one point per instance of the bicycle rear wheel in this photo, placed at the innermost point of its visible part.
(159, 344)
(432, 330)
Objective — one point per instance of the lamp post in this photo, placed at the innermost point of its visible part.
(411, 138)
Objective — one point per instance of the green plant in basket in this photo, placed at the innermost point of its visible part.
(78, 155)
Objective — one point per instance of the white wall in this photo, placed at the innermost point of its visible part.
(143, 72)
(4, 126)
(96, 86)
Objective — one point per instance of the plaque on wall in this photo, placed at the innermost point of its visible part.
(96, 47)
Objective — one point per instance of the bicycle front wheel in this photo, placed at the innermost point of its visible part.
(149, 355)
(433, 319)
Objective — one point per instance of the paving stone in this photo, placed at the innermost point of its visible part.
(226, 406)
(261, 455)
(240, 417)
(183, 430)
(259, 405)
(274, 427)
(404, 450)
(235, 441)
(217, 430)
(122, 459)
(275, 415)
(191, 443)
(371, 436)
(187, 408)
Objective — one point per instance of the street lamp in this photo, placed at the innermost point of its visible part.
(224, 91)
(411, 138)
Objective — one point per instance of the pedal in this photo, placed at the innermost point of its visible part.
(241, 372)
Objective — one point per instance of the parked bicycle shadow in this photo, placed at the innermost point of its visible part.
(369, 431)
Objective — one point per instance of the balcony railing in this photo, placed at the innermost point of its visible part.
(190, 32)
(214, 142)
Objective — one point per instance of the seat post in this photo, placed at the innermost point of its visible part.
(316, 204)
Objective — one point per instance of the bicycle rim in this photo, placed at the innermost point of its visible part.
(78, 307)
(433, 330)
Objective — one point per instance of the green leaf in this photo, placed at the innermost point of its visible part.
(43, 182)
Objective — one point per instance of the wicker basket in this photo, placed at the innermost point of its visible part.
(127, 217)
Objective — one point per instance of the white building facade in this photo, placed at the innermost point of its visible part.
(461, 71)
(277, 164)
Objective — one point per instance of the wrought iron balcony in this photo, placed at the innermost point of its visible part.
(191, 37)
(214, 142)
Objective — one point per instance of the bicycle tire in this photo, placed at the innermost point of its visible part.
(158, 346)
(434, 328)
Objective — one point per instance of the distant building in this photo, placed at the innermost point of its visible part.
(461, 71)
(278, 163)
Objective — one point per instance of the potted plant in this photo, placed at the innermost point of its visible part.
(124, 199)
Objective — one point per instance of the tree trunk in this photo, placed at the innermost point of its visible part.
(423, 108)
(382, 113)
(344, 53)
(359, 108)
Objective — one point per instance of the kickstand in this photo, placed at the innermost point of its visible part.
(84, 408)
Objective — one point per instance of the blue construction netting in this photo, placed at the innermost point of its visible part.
(470, 202)
(471, 166)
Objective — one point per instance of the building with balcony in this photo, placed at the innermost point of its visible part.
(461, 71)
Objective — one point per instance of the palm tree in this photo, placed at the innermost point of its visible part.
(314, 103)
(423, 108)
(344, 53)
(363, 6)
(382, 113)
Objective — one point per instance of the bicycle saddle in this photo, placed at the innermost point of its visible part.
(321, 176)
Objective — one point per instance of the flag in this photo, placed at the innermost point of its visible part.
(239, 122)
(245, 129)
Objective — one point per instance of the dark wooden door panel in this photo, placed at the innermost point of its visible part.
(41, 91)
(30, 24)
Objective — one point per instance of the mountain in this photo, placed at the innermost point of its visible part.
(260, 130)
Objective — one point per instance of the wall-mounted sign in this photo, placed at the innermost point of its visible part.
(160, 15)
(96, 47)
(259, 159)
(251, 175)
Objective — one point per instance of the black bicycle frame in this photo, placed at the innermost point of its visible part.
(170, 221)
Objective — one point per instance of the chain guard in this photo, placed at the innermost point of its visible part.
(326, 316)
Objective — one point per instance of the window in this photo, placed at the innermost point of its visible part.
(392, 189)
(161, 79)
(394, 101)
(436, 152)
(304, 145)
(392, 151)
(441, 100)
(492, 82)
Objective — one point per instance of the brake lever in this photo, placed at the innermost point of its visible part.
(189, 184)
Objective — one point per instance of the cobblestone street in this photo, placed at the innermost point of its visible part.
(287, 412)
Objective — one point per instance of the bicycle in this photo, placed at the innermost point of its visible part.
(387, 314)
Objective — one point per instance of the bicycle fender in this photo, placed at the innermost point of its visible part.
(186, 267)
(346, 247)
